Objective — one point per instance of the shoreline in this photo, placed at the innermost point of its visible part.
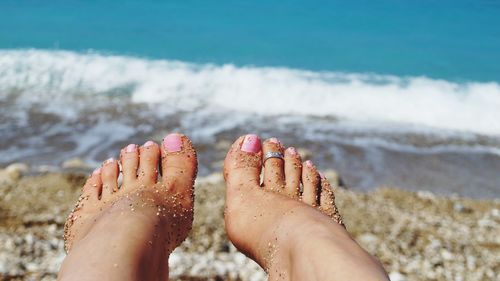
(416, 235)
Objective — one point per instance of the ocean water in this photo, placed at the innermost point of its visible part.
(390, 93)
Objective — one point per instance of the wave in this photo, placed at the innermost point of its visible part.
(365, 98)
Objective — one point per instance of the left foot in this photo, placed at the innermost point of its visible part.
(127, 232)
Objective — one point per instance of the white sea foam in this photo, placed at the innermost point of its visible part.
(367, 98)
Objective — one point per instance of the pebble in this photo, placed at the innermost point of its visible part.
(495, 213)
(31, 266)
(458, 207)
(414, 243)
(9, 245)
(396, 276)
(333, 177)
(426, 195)
(368, 238)
(447, 255)
(52, 229)
(29, 239)
(46, 168)
(12, 173)
(75, 163)
(4, 265)
(16, 170)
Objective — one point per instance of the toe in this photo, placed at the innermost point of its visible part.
(93, 186)
(243, 163)
(109, 176)
(311, 183)
(293, 172)
(148, 163)
(130, 161)
(90, 194)
(274, 174)
(327, 201)
(179, 162)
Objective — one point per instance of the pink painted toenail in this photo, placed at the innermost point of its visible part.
(97, 171)
(109, 160)
(149, 143)
(172, 143)
(275, 140)
(292, 151)
(322, 176)
(251, 144)
(309, 164)
(131, 148)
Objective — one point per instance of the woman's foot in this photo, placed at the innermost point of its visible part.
(127, 231)
(293, 235)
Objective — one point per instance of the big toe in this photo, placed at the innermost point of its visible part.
(178, 163)
(243, 163)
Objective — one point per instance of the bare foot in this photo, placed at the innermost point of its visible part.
(127, 232)
(293, 235)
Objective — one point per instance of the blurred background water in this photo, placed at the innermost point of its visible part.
(399, 93)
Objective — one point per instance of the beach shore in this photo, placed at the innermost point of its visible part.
(416, 235)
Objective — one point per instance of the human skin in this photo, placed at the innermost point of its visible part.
(127, 232)
(293, 235)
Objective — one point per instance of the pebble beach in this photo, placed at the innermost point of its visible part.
(416, 235)
(396, 102)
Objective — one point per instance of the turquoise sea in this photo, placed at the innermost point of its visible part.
(390, 92)
(453, 40)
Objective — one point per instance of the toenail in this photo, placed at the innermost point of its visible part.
(97, 171)
(322, 176)
(309, 164)
(149, 143)
(172, 143)
(275, 140)
(131, 148)
(292, 150)
(109, 160)
(251, 144)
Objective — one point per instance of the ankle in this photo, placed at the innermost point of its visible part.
(118, 258)
(121, 245)
(324, 244)
(286, 244)
(313, 242)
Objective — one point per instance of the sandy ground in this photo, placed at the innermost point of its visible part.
(417, 236)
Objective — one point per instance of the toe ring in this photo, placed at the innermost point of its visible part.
(273, 154)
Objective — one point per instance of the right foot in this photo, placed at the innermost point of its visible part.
(293, 235)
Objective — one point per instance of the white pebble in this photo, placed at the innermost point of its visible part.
(396, 276)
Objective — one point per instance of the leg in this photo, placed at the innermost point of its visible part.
(127, 232)
(293, 235)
